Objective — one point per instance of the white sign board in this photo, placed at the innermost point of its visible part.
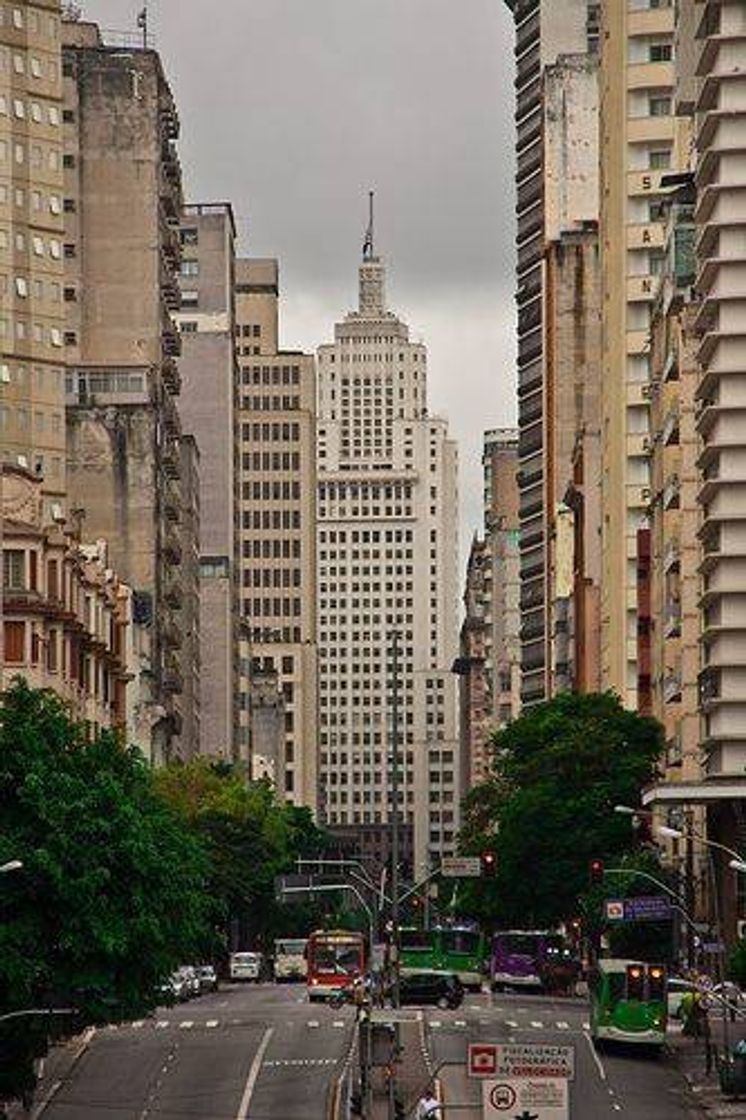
(534, 1060)
(524, 1098)
(461, 867)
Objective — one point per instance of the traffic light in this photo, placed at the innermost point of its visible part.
(489, 864)
(635, 981)
(596, 871)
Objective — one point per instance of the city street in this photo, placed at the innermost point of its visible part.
(258, 1051)
(621, 1081)
(264, 1053)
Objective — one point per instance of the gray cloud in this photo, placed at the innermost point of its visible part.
(292, 109)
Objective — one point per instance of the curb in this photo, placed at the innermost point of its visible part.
(18, 1112)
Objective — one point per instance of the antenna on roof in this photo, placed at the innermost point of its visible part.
(368, 243)
(142, 23)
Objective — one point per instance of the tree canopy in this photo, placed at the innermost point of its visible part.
(548, 807)
(111, 895)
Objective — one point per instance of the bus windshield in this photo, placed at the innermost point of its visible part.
(339, 957)
(415, 940)
(460, 941)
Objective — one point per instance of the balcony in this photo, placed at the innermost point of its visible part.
(172, 636)
(171, 459)
(671, 686)
(173, 681)
(671, 555)
(172, 504)
(671, 491)
(173, 595)
(672, 619)
(171, 376)
(171, 341)
(172, 552)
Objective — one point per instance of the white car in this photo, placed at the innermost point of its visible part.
(246, 966)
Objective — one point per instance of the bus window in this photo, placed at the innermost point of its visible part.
(635, 981)
(656, 983)
(460, 941)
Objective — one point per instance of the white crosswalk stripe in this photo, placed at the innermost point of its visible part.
(563, 1026)
(313, 1023)
(537, 1024)
(186, 1025)
(211, 1023)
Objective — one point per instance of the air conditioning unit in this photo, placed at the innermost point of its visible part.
(741, 928)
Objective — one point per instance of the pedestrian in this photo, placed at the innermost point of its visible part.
(428, 1107)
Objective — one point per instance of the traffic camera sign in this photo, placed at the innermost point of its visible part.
(482, 1059)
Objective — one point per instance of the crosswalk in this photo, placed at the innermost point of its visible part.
(509, 1024)
(216, 1024)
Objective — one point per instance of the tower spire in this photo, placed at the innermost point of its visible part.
(368, 243)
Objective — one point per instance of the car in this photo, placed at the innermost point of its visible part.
(247, 966)
(168, 992)
(443, 989)
(208, 978)
(676, 989)
(187, 974)
(180, 987)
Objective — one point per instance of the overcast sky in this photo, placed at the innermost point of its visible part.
(293, 109)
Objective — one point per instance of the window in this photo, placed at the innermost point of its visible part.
(189, 236)
(15, 641)
(659, 106)
(14, 569)
(659, 160)
(660, 52)
(190, 268)
(21, 287)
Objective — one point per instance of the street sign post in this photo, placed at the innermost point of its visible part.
(514, 1098)
(461, 867)
(519, 1059)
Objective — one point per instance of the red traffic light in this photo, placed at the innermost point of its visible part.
(489, 863)
(596, 870)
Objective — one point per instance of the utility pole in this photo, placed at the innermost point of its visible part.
(394, 952)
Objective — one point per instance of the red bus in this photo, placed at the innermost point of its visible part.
(336, 958)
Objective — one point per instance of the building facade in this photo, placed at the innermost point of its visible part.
(502, 575)
(208, 411)
(65, 614)
(637, 129)
(32, 311)
(556, 159)
(122, 208)
(387, 574)
(277, 510)
(475, 685)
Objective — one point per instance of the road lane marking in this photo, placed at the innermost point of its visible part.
(313, 1023)
(211, 1023)
(162, 1024)
(338, 1023)
(186, 1025)
(537, 1025)
(251, 1080)
(594, 1055)
(511, 1023)
(562, 1026)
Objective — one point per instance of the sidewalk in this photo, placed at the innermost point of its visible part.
(689, 1054)
(412, 1071)
(57, 1067)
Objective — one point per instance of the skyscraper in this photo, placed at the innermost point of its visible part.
(637, 137)
(556, 160)
(387, 564)
(207, 406)
(121, 251)
(277, 470)
(32, 312)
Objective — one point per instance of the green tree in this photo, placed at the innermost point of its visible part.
(251, 838)
(548, 810)
(111, 895)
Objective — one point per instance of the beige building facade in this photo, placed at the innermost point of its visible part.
(637, 141)
(277, 513)
(65, 614)
(387, 564)
(122, 186)
(32, 311)
(502, 576)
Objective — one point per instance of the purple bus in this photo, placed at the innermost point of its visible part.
(532, 959)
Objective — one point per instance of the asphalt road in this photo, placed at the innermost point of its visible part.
(255, 1052)
(618, 1082)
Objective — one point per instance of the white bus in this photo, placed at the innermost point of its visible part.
(290, 958)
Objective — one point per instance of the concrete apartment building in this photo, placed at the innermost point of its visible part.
(208, 410)
(387, 564)
(637, 130)
(122, 206)
(277, 514)
(32, 312)
(502, 575)
(555, 181)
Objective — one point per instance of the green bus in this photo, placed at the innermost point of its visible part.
(456, 949)
(628, 1002)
